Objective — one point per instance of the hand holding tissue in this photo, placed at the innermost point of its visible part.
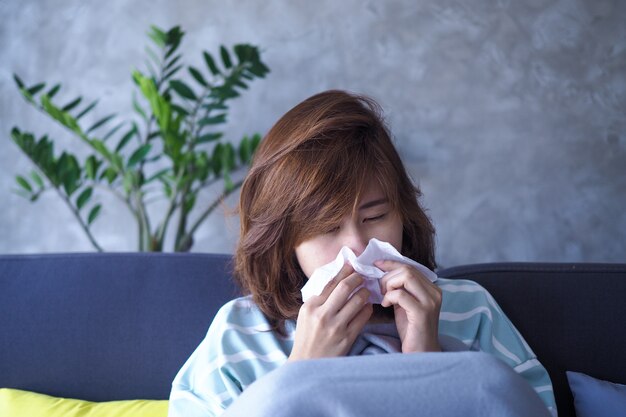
(376, 250)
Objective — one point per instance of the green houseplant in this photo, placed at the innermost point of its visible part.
(171, 148)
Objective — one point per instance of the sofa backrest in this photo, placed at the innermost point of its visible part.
(105, 326)
(119, 326)
(572, 315)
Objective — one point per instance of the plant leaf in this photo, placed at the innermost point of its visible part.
(84, 197)
(37, 179)
(224, 92)
(172, 72)
(209, 137)
(23, 194)
(183, 90)
(247, 76)
(59, 115)
(128, 182)
(153, 135)
(87, 109)
(180, 110)
(189, 203)
(225, 57)
(243, 52)
(91, 167)
(198, 76)
(68, 171)
(99, 146)
(241, 84)
(100, 123)
(202, 165)
(215, 106)
(150, 68)
(23, 183)
(256, 140)
(112, 131)
(210, 62)
(172, 62)
(167, 188)
(36, 88)
(216, 158)
(53, 90)
(117, 162)
(93, 214)
(158, 175)
(18, 81)
(138, 108)
(171, 50)
(110, 174)
(126, 138)
(220, 118)
(228, 183)
(259, 69)
(28, 97)
(228, 158)
(153, 55)
(173, 38)
(139, 155)
(158, 36)
(69, 106)
(245, 150)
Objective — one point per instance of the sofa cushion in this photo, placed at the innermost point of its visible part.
(18, 403)
(596, 398)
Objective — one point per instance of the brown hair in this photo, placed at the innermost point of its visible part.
(332, 141)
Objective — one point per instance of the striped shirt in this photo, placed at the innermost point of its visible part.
(240, 347)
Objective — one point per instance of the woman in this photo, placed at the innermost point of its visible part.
(327, 176)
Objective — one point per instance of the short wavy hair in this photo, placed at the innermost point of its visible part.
(307, 175)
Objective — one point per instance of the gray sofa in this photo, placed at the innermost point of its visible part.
(119, 326)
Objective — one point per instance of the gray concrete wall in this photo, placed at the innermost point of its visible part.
(511, 115)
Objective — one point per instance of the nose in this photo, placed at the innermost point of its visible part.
(355, 240)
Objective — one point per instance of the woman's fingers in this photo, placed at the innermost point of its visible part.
(360, 319)
(401, 298)
(423, 290)
(342, 291)
(343, 273)
(328, 324)
(354, 305)
(400, 275)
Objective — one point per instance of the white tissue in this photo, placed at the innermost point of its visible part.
(364, 265)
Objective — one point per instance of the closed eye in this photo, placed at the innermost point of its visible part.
(373, 219)
(331, 231)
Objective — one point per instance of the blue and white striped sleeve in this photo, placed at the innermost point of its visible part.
(238, 348)
(470, 314)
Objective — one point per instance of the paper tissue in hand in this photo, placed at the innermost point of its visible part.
(376, 250)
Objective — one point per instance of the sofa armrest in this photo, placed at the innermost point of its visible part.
(571, 315)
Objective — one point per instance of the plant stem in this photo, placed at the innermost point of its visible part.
(118, 195)
(191, 126)
(142, 220)
(186, 239)
(160, 233)
(145, 230)
(71, 206)
(182, 220)
(80, 220)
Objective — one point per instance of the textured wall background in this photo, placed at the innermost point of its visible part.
(510, 115)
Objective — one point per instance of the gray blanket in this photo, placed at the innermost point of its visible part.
(467, 384)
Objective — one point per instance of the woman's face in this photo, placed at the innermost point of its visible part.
(374, 218)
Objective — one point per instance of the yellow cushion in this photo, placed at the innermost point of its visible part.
(18, 403)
